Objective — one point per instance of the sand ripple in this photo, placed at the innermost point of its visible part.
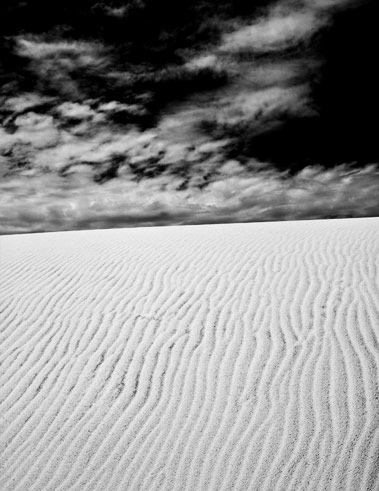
(222, 357)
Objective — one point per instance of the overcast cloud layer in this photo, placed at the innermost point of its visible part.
(251, 114)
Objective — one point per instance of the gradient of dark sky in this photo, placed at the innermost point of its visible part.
(115, 115)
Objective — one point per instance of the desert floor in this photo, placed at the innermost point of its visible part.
(220, 357)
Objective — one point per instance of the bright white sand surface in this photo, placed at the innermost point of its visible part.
(224, 357)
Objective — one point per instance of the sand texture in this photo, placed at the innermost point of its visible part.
(221, 357)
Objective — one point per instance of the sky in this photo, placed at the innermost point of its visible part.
(138, 113)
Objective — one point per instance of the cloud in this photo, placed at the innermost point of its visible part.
(262, 106)
(63, 67)
(273, 33)
(233, 130)
(53, 203)
(36, 129)
(286, 24)
(70, 134)
(264, 93)
(75, 111)
(23, 102)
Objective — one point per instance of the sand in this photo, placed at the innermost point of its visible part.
(220, 357)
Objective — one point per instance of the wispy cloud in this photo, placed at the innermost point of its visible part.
(273, 33)
(62, 66)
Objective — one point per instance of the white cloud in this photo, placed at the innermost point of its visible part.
(265, 104)
(285, 25)
(203, 61)
(75, 110)
(35, 130)
(61, 51)
(24, 101)
(51, 202)
(273, 33)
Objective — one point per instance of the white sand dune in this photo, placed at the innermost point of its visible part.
(224, 357)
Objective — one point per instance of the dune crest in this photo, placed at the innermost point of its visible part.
(240, 356)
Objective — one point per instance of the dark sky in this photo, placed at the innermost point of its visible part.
(129, 113)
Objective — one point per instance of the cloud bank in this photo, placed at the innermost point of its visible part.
(233, 194)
